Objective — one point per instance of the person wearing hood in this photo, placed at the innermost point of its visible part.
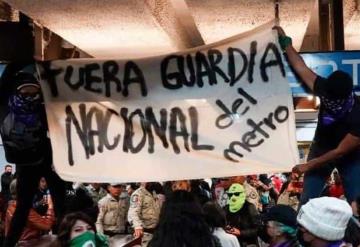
(242, 216)
(24, 133)
(337, 137)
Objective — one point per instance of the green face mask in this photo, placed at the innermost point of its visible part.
(236, 197)
(89, 239)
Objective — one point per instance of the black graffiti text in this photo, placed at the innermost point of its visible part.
(171, 126)
(194, 70)
(257, 134)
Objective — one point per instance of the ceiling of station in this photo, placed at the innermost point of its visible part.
(134, 28)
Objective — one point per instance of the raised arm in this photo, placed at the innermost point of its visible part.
(295, 60)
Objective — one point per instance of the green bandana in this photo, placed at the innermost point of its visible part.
(89, 239)
(236, 197)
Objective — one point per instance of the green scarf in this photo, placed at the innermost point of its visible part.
(89, 239)
(236, 197)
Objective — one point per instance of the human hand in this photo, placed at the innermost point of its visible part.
(280, 30)
(138, 233)
(301, 168)
(232, 230)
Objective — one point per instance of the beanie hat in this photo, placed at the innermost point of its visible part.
(325, 217)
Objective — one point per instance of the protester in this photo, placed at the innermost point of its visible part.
(277, 182)
(36, 224)
(252, 195)
(181, 185)
(337, 137)
(201, 190)
(79, 199)
(291, 191)
(78, 230)
(182, 223)
(242, 216)
(352, 233)
(96, 192)
(336, 189)
(144, 212)
(113, 210)
(40, 199)
(220, 189)
(280, 227)
(6, 179)
(31, 149)
(323, 222)
(216, 218)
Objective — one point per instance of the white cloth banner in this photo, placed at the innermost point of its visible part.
(219, 110)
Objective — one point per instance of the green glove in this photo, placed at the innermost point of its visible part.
(284, 42)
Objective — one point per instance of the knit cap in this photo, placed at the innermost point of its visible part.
(325, 217)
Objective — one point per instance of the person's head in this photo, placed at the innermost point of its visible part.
(42, 184)
(323, 220)
(96, 186)
(252, 180)
(130, 188)
(238, 179)
(339, 85)
(8, 169)
(74, 225)
(215, 216)
(115, 189)
(27, 86)
(181, 185)
(236, 197)
(279, 224)
(181, 222)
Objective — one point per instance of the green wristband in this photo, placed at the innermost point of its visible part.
(284, 42)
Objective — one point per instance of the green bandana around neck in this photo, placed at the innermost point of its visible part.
(89, 239)
(236, 197)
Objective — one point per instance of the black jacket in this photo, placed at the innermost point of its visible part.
(246, 220)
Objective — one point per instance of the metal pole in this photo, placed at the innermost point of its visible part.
(338, 24)
(277, 18)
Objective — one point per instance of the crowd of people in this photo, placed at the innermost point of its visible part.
(229, 212)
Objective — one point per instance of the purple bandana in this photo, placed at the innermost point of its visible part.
(25, 109)
(335, 109)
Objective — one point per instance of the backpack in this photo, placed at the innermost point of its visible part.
(24, 137)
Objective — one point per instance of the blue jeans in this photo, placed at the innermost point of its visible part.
(349, 170)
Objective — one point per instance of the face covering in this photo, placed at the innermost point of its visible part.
(89, 239)
(335, 109)
(236, 197)
(26, 109)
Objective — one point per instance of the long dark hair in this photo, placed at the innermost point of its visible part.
(182, 223)
(67, 224)
(215, 216)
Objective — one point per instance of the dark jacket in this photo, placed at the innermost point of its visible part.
(5, 185)
(246, 220)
